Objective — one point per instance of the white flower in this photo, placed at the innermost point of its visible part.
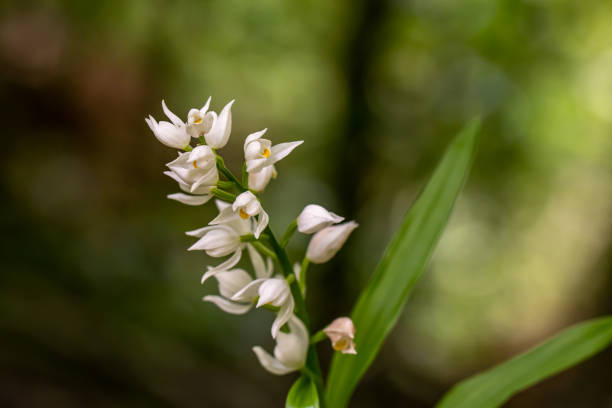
(341, 332)
(171, 134)
(258, 180)
(327, 242)
(232, 281)
(221, 240)
(245, 206)
(314, 218)
(221, 127)
(196, 172)
(290, 351)
(200, 121)
(274, 292)
(259, 153)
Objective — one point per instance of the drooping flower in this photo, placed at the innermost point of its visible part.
(314, 218)
(222, 239)
(258, 180)
(273, 292)
(327, 242)
(196, 173)
(260, 154)
(245, 206)
(290, 350)
(234, 280)
(171, 134)
(341, 332)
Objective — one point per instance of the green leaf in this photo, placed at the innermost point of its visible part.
(303, 394)
(381, 302)
(492, 388)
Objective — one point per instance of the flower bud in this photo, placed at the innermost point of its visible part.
(341, 332)
(314, 218)
(327, 242)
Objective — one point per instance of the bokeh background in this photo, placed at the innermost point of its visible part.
(100, 303)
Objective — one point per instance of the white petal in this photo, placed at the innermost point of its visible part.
(273, 291)
(282, 150)
(229, 263)
(327, 242)
(259, 180)
(291, 348)
(221, 129)
(283, 315)
(227, 305)
(190, 199)
(200, 231)
(217, 242)
(244, 199)
(183, 186)
(232, 281)
(261, 271)
(173, 118)
(249, 292)
(206, 105)
(253, 137)
(314, 218)
(270, 363)
(208, 180)
(256, 165)
(227, 214)
(262, 223)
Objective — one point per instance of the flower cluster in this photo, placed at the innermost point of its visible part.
(242, 226)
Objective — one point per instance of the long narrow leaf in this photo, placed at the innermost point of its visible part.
(381, 302)
(303, 394)
(492, 388)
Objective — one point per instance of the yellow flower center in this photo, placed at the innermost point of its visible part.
(195, 164)
(243, 214)
(266, 153)
(340, 345)
(198, 121)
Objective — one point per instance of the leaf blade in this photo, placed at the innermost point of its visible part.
(303, 394)
(380, 304)
(495, 386)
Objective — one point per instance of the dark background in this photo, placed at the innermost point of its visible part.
(100, 303)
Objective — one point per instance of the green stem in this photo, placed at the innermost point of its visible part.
(312, 359)
(264, 250)
(318, 337)
(227, 173)
(303, 270)
(288, 233)
(223, 195)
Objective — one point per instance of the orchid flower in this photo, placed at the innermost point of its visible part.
(273, 292)
(245, 206)
(260, 154)
(290, 350)
(214, 128)
(173, 133)
(314, 218)
(341, 332)
(196, 173)
(234, 280)
(327, 242)
(222, 239)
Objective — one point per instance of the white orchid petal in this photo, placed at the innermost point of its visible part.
(273, 291)
(227, 214)
(253, 136)
(229, 263)
(206, 105)
(327, 242)
(282, 150)
(219, 134)
(227, 305)
(256, 165)
(258, 180)
(285, 312)
(173, 118)
(314, 218)
(261, 271)
(270, 363)
(249, 292)
(190, 199)
(232, 281)
(200, 231)
(262, 223)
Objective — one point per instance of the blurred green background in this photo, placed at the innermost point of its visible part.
(100, 303)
